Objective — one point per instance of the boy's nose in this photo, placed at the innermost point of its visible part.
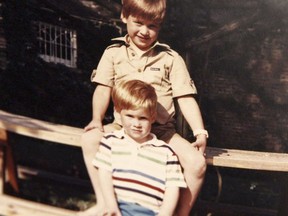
(136, 123)
(144, 30)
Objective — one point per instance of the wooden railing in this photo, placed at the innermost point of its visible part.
(62, 134)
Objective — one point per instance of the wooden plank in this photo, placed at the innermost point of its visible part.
(247, 159)
(40, 129)
(18, 207)
(71, 136)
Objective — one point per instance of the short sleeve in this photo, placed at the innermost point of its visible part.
(104, 73)
(103, 156)
(175, 177)
(181, 82)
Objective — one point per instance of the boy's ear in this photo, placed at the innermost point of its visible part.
(124, 20)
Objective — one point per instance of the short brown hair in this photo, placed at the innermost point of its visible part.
(135, 94)
(145, 9)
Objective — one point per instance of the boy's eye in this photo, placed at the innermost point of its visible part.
(138, 23)
(144, 118)
(154, 26)
(140, 117)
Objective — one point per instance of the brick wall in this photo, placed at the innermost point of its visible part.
(242, 78)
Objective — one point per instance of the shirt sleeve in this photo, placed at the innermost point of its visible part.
(102, 158)
(104, 73)
(181, 82)
(175, 177)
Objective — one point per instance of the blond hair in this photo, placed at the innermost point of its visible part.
(135, 94)
(144, 9)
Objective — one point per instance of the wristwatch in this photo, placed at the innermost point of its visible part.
(200, 131)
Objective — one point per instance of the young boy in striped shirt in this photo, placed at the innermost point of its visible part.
(139, 174)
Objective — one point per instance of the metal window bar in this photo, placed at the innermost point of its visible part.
(57, 44)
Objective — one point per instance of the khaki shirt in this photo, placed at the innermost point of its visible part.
(160, 66)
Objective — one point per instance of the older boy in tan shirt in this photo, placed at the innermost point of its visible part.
(140, 56)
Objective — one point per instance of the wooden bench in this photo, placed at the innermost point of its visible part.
(62, 134)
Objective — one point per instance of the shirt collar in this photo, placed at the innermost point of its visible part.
(154, 141)
(125, 40)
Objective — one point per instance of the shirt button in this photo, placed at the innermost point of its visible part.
(139, 70)
(133, 54)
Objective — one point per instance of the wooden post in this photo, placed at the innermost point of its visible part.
(7, 163)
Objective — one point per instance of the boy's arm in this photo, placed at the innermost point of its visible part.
(192, 114)
(100, 103)
(105, 178)
(170, 201)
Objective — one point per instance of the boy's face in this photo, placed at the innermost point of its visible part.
(142, 32)
(137, 124)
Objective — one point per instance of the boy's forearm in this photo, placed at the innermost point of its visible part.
(170, 201)
(105, 178)
(100, 102)
(191, 112)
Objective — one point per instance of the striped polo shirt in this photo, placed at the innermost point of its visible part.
(140, 172)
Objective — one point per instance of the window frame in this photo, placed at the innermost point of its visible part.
(56, 44)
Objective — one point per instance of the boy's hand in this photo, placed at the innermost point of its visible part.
(112, 213)
(200, 143)
(94, 124)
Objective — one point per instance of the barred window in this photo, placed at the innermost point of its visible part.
(57, 44)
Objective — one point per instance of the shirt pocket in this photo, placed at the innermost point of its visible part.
(123, 70)
(158, 77)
